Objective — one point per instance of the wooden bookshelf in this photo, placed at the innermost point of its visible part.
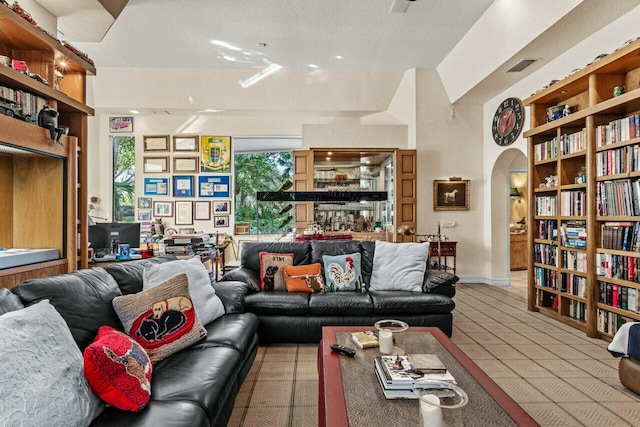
(584, 286)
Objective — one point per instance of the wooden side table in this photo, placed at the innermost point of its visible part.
(447, 250)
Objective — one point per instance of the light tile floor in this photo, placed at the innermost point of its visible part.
(557, 374)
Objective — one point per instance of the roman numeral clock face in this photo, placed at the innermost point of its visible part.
(508, 121)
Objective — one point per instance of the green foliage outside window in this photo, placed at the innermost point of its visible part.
(261, 172)
(124, 154)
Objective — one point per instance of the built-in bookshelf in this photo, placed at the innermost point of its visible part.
(584, 175)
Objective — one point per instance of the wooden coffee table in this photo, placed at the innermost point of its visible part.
(366, 405)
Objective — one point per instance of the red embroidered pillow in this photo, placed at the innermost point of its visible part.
(271, 278)
(118, 370)
(161, 319)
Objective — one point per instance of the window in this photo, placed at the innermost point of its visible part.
(123, 178)
(262, 172)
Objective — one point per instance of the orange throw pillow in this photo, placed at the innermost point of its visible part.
(303, 278)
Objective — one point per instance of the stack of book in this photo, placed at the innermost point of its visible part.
(397, 374)
(365, 339)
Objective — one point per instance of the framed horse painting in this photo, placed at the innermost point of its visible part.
(451, 195)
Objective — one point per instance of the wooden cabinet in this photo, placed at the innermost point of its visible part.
(518, 251)
(585, 224)
(44, 183)
(442, 256)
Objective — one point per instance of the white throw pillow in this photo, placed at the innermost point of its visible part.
(207, 304)
(399, 266)
(42, 371)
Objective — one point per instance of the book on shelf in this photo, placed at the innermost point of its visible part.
(365, 339)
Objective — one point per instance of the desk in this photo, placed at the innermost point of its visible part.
(447, 249)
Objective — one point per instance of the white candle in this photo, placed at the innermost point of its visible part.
(431, 415)
(386, 342)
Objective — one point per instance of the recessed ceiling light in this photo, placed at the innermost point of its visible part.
(313, 66)
(134, 111)
(563, 91)
(338, 57)
(330, 153)
(62, 64)
(328, 158)
(225, 45)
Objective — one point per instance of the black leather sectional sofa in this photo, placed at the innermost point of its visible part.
(193, 387)
(298, 317)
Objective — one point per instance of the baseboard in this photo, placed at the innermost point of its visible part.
(484, 280)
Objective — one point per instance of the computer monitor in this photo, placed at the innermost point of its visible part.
(102, 235)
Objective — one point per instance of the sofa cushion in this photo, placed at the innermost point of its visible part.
(250, 257)
(342, 272)
(83, 299)
(278, 302)
(340, 303)
(161, 319)
(41, 371)
(118, 370)
(206, 303)
(399, 266)
(303, 278)
(405, 302)
(319, 248)
(9, 301)
(158, 413)
(271, 278)
(236, 331)
(128, 275)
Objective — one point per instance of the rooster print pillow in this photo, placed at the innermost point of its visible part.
(342, 272)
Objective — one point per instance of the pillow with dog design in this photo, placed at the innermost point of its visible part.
(161, 319)
(271, 278)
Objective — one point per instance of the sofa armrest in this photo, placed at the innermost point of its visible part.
(439, 282)
(232, 295)
(243, 274)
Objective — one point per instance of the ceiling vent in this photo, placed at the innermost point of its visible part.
(162, 113)
(400, 6)
(521, 65)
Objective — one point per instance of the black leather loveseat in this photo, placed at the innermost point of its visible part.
(298, 317)
(193, 387)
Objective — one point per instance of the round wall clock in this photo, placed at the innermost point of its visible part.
(508, 121)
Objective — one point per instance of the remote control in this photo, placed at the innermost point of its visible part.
(343, 349)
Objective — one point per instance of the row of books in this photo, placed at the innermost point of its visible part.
(548, 229)
(576, 261)
(545, 254)
(573, 234)
(618, 130)
(24, 105)
(618, 160)
(618, 267)
(573, 203)
(546, 205)
(623, 236)
(546, 150)
(609, 322)
(545, 277)
(397, 374)
(546, 299)
(578, 310)
(573, 142)
(619, 296)
(573, 284)
(619, 197)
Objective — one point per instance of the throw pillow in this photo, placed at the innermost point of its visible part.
(271, 278)
(303, 278)
(161, 319)
(208, 305)
(41, 371)
(399, 266)
(342, 272)
(118, 370)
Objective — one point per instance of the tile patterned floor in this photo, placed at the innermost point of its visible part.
(557, 374)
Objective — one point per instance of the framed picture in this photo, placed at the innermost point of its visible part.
(155, 164)
(144, 202)
(451, 195)
(221, 207)
(120, 124)
(221, 221)
(156, 187)
(156, 142)
(161, 209)
(214, 186)
(144, 215)
(202, 210)
(184, 213)
(185, 142)
(185, 164)
(186, 230)
(183, 186)
(215, 154)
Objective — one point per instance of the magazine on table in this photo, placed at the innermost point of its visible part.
(403, 371)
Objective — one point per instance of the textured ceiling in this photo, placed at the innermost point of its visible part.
(297, 33)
